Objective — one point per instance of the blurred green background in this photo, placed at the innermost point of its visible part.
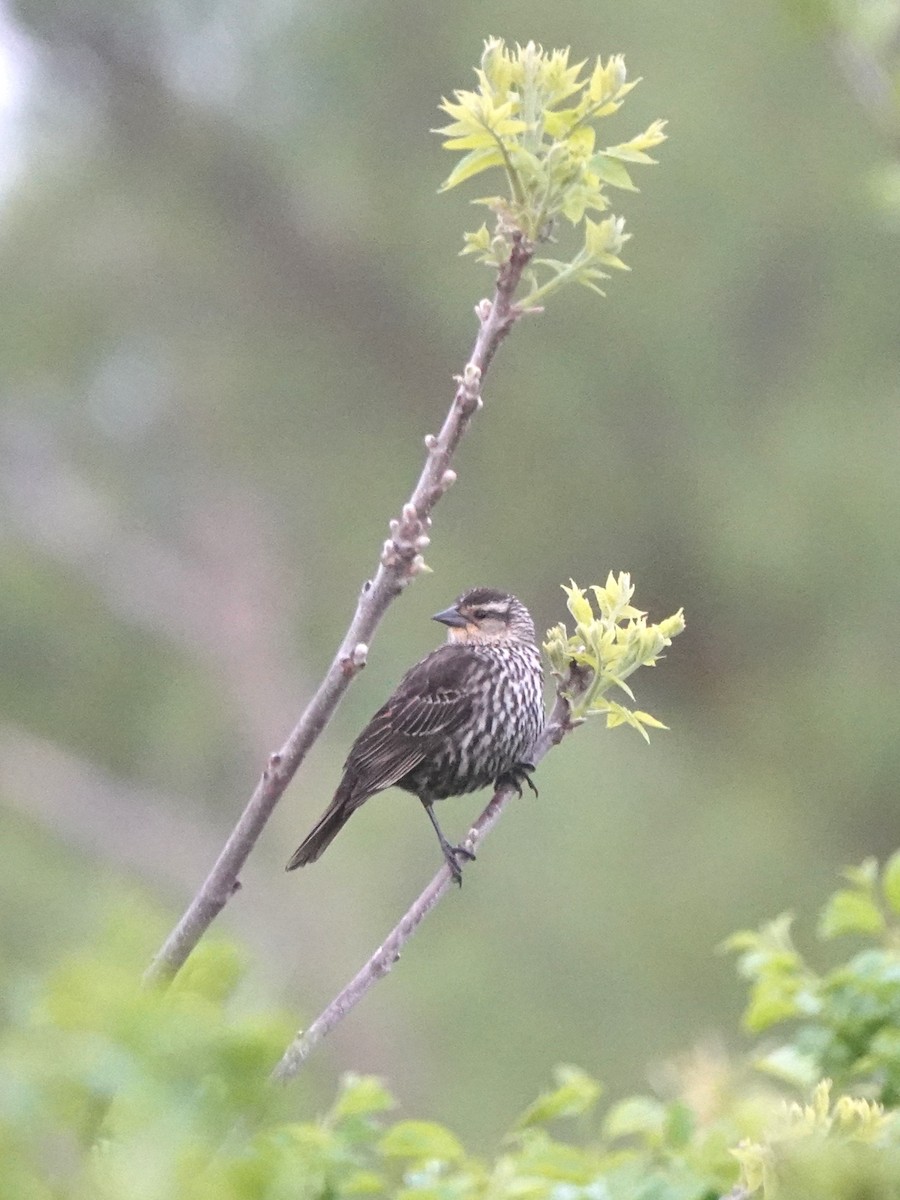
(231, 308)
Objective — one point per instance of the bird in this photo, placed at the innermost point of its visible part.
(466, 716)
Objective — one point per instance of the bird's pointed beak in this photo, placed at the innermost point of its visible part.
(451, 617)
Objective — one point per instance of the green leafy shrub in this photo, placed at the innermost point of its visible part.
(847, 1020)
(111, 1091)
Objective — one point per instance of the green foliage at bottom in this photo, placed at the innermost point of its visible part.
(111, 1091)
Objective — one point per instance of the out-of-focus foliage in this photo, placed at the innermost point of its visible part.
(866, 40)
(548, 154)
(115, 1092)
(111, 1089)
(849, 1015)
(843, 1148)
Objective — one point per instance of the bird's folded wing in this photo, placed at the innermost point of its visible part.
(415, 722)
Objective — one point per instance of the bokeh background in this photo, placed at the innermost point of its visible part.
(231, 308)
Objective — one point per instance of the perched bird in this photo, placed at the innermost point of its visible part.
(464, 717)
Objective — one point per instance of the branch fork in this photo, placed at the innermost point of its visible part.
(558, 724)
(400, 561)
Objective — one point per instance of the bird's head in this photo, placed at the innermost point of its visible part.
(486, 615)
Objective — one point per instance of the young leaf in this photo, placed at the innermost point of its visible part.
(850, 912)
(421, 1140)
(890, 882)
(576, 1093)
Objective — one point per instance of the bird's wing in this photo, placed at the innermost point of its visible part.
(430, 704)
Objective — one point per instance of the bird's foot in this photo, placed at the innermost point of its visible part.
(453, 854)
(517, 775)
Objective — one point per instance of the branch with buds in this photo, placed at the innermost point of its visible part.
(401, 560)
(515, 121)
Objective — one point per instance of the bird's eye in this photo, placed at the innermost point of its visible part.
(487, 614)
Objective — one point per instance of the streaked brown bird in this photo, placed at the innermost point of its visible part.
(464, 717)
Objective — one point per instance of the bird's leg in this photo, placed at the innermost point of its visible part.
(517, 775)
(450, 852)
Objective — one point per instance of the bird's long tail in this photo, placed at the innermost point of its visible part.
(326, 829)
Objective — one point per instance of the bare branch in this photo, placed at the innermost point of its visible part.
(558, 724)
(401, 561)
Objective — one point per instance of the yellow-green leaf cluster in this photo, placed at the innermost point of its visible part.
(611, 640)
(847, 1119)
(536, 118)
